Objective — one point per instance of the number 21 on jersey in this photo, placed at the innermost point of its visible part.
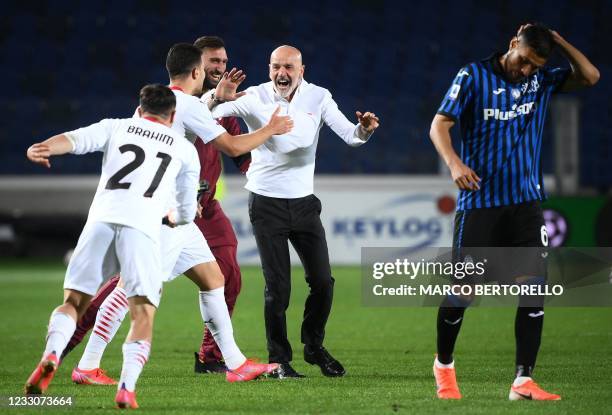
(114, 182)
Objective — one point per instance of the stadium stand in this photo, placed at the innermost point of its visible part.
(66, 64)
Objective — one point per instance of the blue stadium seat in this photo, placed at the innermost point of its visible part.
(395, 59)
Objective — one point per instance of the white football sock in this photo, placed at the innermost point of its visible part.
(439, 365)
(217, 319)
(61, 329)
(135, 355)
(108, 320)
(520, 380)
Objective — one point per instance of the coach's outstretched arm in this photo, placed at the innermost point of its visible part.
(236, 145)
(464, 177)
(584, 73)
(57, 145)
(353, 134)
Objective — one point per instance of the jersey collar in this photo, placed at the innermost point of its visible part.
(152, 119)
(493, 60)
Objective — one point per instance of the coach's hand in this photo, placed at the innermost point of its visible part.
(39, 153)
(279, 124)
(464, 177)
(369, 121)
(227, 86)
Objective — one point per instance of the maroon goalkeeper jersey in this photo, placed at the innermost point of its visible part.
(210, 160)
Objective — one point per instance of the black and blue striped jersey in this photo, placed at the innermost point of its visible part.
(501, 130)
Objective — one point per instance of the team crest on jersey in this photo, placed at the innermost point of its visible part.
(534, 85)
(528, 87)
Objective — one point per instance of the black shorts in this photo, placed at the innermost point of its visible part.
(512, 239)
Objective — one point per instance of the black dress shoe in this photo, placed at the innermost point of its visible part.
(318, 355)
(285, 371)
(208, 367)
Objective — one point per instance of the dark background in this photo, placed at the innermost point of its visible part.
(68, 64)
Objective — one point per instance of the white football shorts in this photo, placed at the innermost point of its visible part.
(182, 247)
(105, 249)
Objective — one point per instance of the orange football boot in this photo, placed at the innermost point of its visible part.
(95, 376)
(446, 383)
(529, 390)
(250, 370)
(126, 399)
(39, 380)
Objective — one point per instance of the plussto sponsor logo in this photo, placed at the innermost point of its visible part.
(497, 114)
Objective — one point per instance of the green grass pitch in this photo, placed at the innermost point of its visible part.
(388, 354)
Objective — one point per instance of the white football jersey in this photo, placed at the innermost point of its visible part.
(145, 164)
(194, 119)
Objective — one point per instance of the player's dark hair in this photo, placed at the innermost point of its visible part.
(210, 42)
(538, 37)
(182, 59)
(157, 99)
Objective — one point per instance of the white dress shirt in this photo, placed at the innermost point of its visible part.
(283, 166)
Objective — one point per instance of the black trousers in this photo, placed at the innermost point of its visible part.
(275, 223)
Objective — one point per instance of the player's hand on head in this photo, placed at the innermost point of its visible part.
(369, 121)
(464, 177)
(280, 124)
(557, 38)
(228, 85)
(39, 153)
(521, 28)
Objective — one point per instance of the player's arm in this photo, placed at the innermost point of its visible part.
(201, 122)
(57, 145)
(464, 177)
(237, 145)
(186, 191)
(232, 126)
(241, 107)
(352, 134)
(83, 140)
(455, 102)
(584, 74)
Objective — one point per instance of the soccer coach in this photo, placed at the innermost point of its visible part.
(282, 206)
